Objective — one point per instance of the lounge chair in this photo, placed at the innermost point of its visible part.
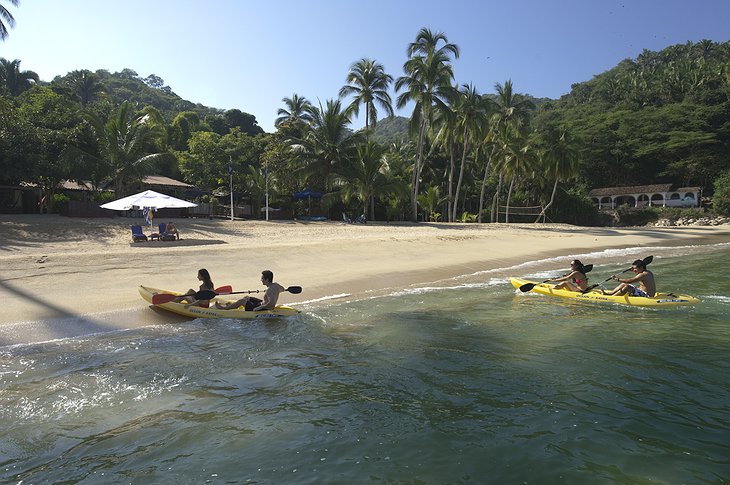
(137, 234)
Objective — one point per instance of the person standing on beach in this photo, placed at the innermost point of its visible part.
(271, 296)
(645, 278)
(576, 280)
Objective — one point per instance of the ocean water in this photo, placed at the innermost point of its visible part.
(463, 381)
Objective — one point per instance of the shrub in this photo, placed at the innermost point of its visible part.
(721, 197)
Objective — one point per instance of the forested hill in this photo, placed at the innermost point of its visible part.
(662, 117)
(100, 86)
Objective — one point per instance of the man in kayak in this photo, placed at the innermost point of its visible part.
(645, 278)
(271, 296)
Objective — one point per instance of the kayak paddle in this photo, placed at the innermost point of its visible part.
(646, 261)
(166, 297)
(209, 294)
(529, 286)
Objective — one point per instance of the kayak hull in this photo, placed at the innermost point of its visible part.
(595, 296)
(279, 311)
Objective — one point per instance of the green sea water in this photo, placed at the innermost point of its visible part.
(463, 381)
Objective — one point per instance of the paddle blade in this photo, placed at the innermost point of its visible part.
(224, 290)
(294, 289)
(648, 259)
(527, 287)
(161, 298)
(587, 268)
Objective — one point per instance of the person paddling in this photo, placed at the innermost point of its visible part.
(207, 284)
(271, 296)
(576, 280)
(645, 278)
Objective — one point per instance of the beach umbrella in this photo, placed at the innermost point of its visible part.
(148, 198)
(148, 201)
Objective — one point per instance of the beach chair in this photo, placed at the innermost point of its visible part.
(137, 234)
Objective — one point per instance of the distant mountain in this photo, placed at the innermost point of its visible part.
(391, 129)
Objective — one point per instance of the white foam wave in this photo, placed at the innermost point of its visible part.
(324, 298)
(720, 298)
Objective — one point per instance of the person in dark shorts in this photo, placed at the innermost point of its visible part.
(645, 279)
(250, 303)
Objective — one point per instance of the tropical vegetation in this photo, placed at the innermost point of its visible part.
(463, 154)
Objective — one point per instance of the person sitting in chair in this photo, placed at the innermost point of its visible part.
(171, 230)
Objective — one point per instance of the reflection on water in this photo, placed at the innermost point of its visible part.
(469, 384)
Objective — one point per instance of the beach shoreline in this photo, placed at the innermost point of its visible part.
(66, 277)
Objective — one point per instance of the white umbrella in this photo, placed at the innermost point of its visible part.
(148, 198)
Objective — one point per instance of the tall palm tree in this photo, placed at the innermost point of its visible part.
(510, 122)
(471, 112)
(369, 83)
(86, 85)
(13, 80)
(518, 160)
(561, 160)
(127, 141)
(446, 137)
(427, 83)
(297, 110)
(5, 16)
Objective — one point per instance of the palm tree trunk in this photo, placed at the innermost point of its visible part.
(417, 169)
(461, 170)
(495, 200)
(484, 189)
(552, 197)
(509, 196)
(449, 208)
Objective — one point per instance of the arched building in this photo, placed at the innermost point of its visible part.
(661, 195)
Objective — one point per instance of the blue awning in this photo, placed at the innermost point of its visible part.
(307, 194)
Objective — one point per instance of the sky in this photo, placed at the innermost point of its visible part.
(250, 54)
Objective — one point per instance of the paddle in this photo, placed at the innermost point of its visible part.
(209, 294)
(646, 260)
(166, 297)
(529, 286)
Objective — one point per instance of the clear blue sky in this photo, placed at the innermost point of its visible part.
(250, 54)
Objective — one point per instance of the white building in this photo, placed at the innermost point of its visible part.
(661, 195)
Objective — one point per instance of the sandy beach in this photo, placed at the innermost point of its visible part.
(65, 277)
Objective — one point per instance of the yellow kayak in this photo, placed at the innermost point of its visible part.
(279, 311)
(658, 300)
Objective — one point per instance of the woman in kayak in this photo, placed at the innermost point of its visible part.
(576, 280)
(207, 284)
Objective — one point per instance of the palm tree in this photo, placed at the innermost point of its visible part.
(509, 122)
(446, 122)
(127, 141)
(427, 82)
(86, 85)
(471, 112)
(13, 79)
(369, 83)
(517, 161)
(430, 199)
(7, 17)
(297, 111)
(363, 178)
(561, 160)
(328, 144)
